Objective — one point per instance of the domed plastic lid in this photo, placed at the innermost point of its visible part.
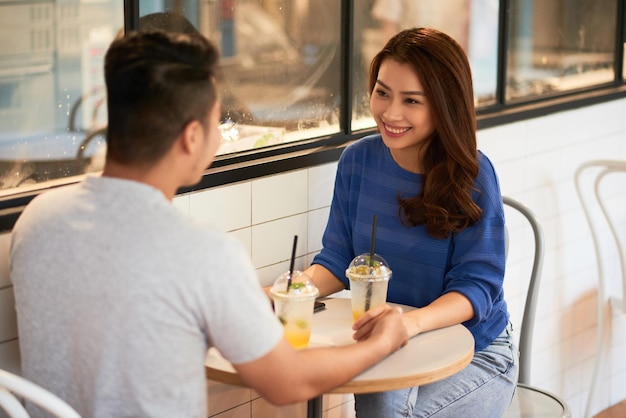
(301, 285)
(360, 266)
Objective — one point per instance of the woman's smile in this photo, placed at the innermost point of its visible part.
(395, 131)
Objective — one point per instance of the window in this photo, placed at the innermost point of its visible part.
(472, 23)
(295, 71)
(51, 87)
(560, 45)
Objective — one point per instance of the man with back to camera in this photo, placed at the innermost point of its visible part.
(119, 295)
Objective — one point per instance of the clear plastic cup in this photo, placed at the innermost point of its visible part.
(294, 307)
(368, 284)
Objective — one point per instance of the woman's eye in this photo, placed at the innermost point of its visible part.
(381, 93)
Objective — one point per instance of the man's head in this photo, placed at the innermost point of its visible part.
(157, 85)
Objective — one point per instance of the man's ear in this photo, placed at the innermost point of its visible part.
(191, 137)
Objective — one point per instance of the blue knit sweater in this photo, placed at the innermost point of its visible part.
(368, 183)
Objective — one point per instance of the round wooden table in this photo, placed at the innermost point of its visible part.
(427, 358)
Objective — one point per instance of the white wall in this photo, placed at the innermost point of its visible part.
(535, 159)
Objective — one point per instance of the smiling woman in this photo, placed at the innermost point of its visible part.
(441, 221)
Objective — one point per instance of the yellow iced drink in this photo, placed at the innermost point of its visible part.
(368, 284)
(298, 333)
(294, 306)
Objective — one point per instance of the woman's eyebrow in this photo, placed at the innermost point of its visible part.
(418, 93)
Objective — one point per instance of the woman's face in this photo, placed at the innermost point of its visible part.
(402, 113)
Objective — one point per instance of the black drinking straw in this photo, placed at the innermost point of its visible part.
(373, 241)
(293, 260)
(368, 294)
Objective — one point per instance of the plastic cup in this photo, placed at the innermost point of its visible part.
(368, 285)
(294, 307)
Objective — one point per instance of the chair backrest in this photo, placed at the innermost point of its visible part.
(530, 304)
(597, 171)
(602, 169)
(13, 386)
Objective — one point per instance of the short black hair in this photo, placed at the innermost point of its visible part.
(157, 82)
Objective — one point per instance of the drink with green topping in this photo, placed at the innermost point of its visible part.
(293, 305)
(368, 283)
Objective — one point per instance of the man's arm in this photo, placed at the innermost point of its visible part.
(285, 375)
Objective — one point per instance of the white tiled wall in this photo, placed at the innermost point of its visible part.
(536, 160)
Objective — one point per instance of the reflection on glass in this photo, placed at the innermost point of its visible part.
(280, 62)
(51, 87)
(560, 45)
(474, 24)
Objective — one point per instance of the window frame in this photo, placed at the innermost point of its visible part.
(248, 165)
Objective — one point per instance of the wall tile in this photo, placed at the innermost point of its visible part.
(10, 357)
(336, 399)
(261, 408)
(245, 236)
(272, 242)
(5, 242)
(547, 133)
(279, 196)
(228, 207)
(268, 274)
(317, 220)
(8, 316)
(223, 397)
(344, 410)
(603, 117)
(503, 143)
(321, 185)
(511, 177)
(309, 257)
(182, 203)
(617, 392)
(242, 411)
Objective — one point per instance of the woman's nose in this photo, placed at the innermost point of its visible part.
(393, 110)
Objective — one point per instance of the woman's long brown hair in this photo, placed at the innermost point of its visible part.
(450, 162)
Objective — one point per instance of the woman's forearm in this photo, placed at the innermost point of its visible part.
(449, 309)
(325, 281)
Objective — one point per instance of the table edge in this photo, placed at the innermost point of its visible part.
(384, 385)
(363, 386)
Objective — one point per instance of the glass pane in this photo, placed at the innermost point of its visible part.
(560, 45)
(474, 24)
(51, 87)
(280, 62)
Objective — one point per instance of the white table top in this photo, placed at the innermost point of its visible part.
(427, 358)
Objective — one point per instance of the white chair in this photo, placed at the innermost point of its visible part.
(13, 386)
(601, 221)
(529, 401)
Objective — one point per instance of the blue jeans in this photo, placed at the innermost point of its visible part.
(483, 389)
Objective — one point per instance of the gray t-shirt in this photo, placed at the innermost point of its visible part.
(119, 295)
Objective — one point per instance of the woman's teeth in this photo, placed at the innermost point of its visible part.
(396, 130)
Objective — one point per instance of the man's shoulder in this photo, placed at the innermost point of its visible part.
(48, 203)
